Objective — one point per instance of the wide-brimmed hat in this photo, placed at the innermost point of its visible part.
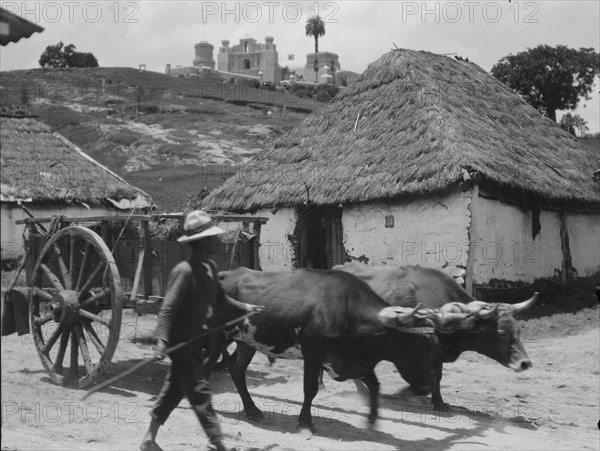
(198, 224)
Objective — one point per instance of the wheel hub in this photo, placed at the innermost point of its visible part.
(65, 308)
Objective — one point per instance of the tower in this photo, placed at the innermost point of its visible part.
(204, 55)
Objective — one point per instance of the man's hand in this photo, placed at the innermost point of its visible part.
(160, 351)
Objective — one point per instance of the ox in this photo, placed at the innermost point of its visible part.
(333, 321)
(487, 328)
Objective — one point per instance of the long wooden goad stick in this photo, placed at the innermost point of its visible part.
(145, 362)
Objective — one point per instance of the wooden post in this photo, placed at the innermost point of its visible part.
(146, 262)
(104, 232)
(567, 262)
(472, 240)
(257, 226)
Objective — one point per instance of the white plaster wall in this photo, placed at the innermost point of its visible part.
(505, 248)
(584, 242)
(12, 234)
(430, 232)
(276, 252)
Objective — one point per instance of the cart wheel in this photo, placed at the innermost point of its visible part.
(75, 297)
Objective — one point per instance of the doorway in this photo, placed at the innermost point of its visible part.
(319, 237)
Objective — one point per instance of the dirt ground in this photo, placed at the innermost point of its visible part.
(554, 405)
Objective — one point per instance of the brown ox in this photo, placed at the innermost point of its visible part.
(487, 328)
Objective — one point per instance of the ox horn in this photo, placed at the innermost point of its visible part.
(522, 306)
(404, 318)
(488, 313)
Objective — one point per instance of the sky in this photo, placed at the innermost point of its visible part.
(156, 33)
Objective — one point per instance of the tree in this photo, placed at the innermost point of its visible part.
(315, 27)
(60, 55)
(550, 78)
(573, 124)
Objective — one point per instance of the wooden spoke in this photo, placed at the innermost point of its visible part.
(74, 362)
(85, 353)
(90, 279)
(96, 297)
(66, 277)
(93, 336)
(51, 341)
(40, 321)
(71, 255)
(93, 317)
(86, 252)
(53, 279)
(43, 294)
(62, 348)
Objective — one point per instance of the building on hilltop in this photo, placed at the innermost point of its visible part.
(203, 58)
(250, 57)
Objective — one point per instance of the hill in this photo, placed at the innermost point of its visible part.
(169, 136)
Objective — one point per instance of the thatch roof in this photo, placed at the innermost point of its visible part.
(40, 166)
(415, 123)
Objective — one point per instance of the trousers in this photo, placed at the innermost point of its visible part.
(188, 378)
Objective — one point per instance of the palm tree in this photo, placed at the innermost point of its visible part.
(315, 27)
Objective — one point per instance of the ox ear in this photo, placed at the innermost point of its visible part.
(393, 317)
(522, 306)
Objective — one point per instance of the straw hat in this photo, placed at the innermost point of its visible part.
(198, 224)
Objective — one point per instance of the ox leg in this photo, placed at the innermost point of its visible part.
(321, 383)
(436, 396)
(239, 362)
(311, 387)
(370, 380)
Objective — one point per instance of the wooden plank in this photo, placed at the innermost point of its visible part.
(154, 217)
(472, 240)
(87, 219)
(138, 273)
(147, 271)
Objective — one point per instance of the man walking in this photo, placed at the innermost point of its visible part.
(193, 297)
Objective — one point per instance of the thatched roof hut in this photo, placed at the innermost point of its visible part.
(44, 174)
(431, 161)
(41, 166)
(416, 123)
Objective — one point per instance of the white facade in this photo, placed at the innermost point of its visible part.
(428, 232)
(435, 232)
(276, 251)
(584, 243)
(505, 248)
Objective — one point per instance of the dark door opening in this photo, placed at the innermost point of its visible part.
(319, 237)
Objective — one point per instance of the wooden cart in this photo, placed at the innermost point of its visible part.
(78, 282)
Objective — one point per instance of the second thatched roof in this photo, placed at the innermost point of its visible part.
(416, 123)
(41, 166)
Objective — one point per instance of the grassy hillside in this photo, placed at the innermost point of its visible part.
(169, 136)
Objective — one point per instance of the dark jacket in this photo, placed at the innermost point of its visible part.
(193, 297)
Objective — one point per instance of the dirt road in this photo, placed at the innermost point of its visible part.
(555, 405)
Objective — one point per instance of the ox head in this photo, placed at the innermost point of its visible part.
(490, 329)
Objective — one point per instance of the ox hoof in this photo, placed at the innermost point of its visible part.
(306, 432)
(441, 407)
(254, 414)
(150, 445)
(371, 424)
